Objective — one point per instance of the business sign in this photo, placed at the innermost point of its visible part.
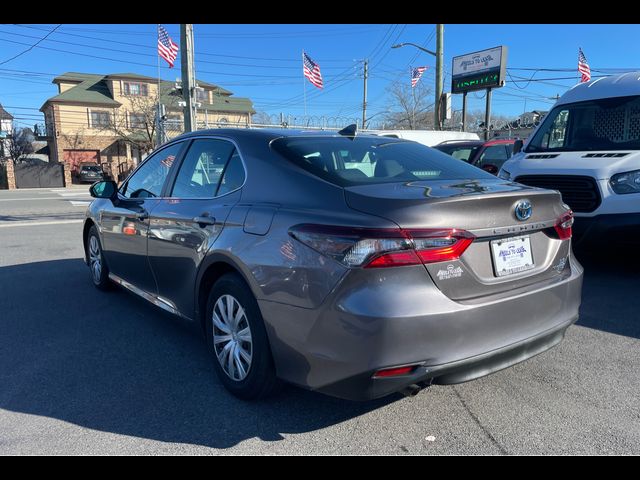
(479, 70)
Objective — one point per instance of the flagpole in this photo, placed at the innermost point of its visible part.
(159, 131)
(304, 86)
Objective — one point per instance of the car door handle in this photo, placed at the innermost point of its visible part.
(204, 221)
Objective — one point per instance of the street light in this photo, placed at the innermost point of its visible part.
(414, 45)
(439, 59)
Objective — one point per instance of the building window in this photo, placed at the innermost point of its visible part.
(202, 95)
(100, 119)
(135, 89)
(137, 120)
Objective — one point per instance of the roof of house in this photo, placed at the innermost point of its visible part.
(93, 89)
(90, 88)
(4, 115)
(221, 102)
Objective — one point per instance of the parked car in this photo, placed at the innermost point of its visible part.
(426, 137)
(90, 172)
(358, 278)
(488, 155)
(588, 148)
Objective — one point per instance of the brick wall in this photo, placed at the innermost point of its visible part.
(11, 177)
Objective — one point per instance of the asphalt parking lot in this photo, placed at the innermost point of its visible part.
(87, 372)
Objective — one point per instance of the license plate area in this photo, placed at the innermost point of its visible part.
(511, 255)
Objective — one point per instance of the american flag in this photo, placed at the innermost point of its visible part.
(166, 48)
(311, 70)
(583, 67)
(416, 73)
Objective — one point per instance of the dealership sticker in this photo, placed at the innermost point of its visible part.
(449, 273)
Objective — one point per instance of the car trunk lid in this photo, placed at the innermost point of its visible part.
(506, 253)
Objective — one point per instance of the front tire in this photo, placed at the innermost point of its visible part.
(97, 266)
(237, 340)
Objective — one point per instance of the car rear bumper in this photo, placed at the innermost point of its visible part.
(366, 387)
(395, 318)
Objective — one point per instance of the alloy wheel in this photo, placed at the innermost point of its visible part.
(95, 259)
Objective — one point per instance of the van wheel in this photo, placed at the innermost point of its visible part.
(238, 341)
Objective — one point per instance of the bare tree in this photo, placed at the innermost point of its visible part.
(20, 143)
(262, 118)
(136, 126)
(411, 108)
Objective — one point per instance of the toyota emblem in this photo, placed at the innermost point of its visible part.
(523, 210)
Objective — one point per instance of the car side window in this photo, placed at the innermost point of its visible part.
(202, 168)
(493, 155)
(509, 149)
(148, 180)
(233, 175)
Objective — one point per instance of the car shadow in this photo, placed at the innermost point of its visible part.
(111, 362)
(610, 297)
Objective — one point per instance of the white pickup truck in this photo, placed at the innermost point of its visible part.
(588, 148)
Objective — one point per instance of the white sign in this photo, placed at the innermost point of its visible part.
(477, 62)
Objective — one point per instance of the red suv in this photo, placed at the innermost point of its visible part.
(488, 155)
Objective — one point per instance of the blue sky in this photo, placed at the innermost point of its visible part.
(263, 62)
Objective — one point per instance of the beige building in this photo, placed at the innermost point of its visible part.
(110, 119)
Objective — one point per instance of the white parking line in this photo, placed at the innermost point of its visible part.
(36, 224)
(28, 199)
(80, 203)
(74, 194)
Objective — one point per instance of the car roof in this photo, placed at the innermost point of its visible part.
(266, 133)
(474, 143)
(500, 141)
(623, 85)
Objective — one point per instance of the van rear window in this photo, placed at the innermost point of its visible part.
(370, 160)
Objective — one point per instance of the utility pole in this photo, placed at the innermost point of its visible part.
(464, 112)
(188, 74)
(487, 116)
(364, 98)
(439, 76)
(160, 136)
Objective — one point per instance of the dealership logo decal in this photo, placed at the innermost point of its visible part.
(450, 272)
(560, 265)
(512, 251)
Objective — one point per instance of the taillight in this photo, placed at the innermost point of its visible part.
(563, 225)
(394, 372)
(383, 247)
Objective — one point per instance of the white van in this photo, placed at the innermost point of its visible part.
(426, 137)
(588, 148)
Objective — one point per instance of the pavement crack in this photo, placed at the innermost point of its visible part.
(484, 429)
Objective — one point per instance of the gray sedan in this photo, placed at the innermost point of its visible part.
(353, 265)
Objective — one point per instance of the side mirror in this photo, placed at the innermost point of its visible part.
(489, 167)
(106, 189)
(517, 146)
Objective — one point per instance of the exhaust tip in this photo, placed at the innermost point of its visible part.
(411, 390)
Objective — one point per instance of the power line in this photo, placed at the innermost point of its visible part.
(32, 46)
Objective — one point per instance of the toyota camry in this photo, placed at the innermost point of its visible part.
(349, 264)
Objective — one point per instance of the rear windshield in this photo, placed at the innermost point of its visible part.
(369, 160)
(461, 152)
(91, 168)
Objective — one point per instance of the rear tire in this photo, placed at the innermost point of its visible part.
(97, 265)
(237, 340)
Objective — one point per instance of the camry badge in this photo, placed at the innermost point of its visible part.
(523, 210)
